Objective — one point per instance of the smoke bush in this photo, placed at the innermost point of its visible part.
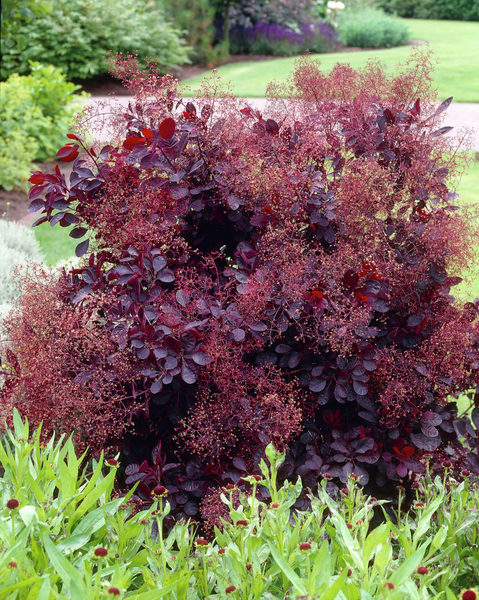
(255, 277)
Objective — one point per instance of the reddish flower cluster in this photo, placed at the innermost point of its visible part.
(258, 277)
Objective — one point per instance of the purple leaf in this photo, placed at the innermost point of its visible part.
(187, 374)
(82, 248)
(201, 358)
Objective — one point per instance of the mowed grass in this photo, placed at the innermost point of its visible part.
(55, 243)
(455, 45)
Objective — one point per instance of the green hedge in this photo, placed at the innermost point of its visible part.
(77, 36)
(457, 10)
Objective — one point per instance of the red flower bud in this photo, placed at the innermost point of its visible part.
(112, 462)
(12, 564)
(349, 526)
(201, 542)
(100, 551)
(249, 566)
(221, 551)
(350, 572)
(389, 585)
(12, 504)
(465, 473)
(114, 591)
(419, 504)
(230, 589)
(275, 505)
(230, 486)
(242, 522)
(422, 570)
(256, 477)
(159, 491)
(354, 476)
(469, 595)
(305, 546)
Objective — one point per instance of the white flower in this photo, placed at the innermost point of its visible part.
(335, 5)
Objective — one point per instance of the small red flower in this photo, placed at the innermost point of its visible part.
(221, 551)
(389, 585)
(469, 595)
(249, 566)
(230, 486)
(354, 476)
(305, 546)
(242, 522)
(201, 542)
(350, 572)
(100, 551)
(114, 591)
(112, 462)
(422, 570)
(419, 504)
(12, 564)
(275, 505)
(465, 473)
(349, 526)
(230, 589)
(256, 477)
(12, 504)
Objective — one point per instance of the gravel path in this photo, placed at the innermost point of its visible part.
(458, 115)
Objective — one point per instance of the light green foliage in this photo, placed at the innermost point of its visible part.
(16, 152)
(371, 28)
(18, 246)
(77, 36)
(67, 510)
(35, 113)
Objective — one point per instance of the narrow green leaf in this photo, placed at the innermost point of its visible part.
(62, 565)
(408, 567)
(287, 570)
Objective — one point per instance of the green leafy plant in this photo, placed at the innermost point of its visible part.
(65, 533)
(35, 113)
(371, 28)
(77, 36)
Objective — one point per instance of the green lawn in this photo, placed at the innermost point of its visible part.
(55, 243)
(455, 43)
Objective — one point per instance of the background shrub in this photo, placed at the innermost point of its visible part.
(288, 13)
(196, 22)
(278, 28)
(18, 246)
(458, 10)
(371, 28)
(264, 38)
(35, 113)
(77, 36)
(254, 277)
